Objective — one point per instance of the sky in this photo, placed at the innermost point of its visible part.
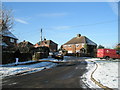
(61, 21)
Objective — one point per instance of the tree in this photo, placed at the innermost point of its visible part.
(100, 47)
(117, 47)
(6, 19)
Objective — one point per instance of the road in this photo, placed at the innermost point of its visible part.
(62, 76)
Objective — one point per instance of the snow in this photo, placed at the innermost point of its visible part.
(3, 44)
(8, 34)
(51, 59)
(8, 69)
(106, 73)
(89, 42)
(10, 64)
(86, 78)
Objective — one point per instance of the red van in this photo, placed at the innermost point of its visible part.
(108, 53)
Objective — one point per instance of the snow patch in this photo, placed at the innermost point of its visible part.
(106, 73)
(8, 70)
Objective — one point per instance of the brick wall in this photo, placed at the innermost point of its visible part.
(73, 48)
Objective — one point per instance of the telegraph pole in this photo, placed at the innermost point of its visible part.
(41, 34)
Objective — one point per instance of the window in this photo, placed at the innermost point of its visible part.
(69, 45)
(77, 45)
(82, 44)
(117, 52)
(12, 40)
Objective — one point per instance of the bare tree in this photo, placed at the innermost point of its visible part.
(6, 19)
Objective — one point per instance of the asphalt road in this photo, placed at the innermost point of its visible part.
(62, 76)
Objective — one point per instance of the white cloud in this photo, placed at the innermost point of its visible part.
(21, 21)
(52, 14)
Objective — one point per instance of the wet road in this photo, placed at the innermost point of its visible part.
(62, 76)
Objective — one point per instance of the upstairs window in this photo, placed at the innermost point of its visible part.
(77, 45)
(12, 40)
(117, 52)
(69, 45)
(64, 46)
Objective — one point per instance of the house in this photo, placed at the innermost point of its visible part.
(118, 46)
(8, 39)
(48, 43)
(80, 45)
(25, 46)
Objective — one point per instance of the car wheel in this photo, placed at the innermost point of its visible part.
(107, 57)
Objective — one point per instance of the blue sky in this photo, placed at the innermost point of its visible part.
(62, 21)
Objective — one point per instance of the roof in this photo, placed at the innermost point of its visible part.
(3, 44)
(47, 42)
(25, 43)
(81, 39)
(7, 33)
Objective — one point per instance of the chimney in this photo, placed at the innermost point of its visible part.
(78, 35)
(44, 39)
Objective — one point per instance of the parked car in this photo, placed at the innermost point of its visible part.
(57, 55)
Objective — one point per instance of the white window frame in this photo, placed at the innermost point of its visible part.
(12, 40)
(77, 45)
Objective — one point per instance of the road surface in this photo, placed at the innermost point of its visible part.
(62, 76)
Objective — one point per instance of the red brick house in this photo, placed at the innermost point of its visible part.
(8, 39)
(48, 43)
(80, 45)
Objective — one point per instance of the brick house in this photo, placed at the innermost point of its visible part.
(48, 43)
(25, 46)
(80, 45)
(8, 39)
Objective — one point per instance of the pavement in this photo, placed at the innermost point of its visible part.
(62, 76)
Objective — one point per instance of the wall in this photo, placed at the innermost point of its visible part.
(73, 47)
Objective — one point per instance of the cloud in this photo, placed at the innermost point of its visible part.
(114, 6)
(52, 14)
(21, 21)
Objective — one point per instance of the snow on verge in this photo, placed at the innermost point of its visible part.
(86, 78)
(106, 73)
(12, 70)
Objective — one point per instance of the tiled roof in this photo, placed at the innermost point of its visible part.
(81, 39)
(25, 43)
(47, 42)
